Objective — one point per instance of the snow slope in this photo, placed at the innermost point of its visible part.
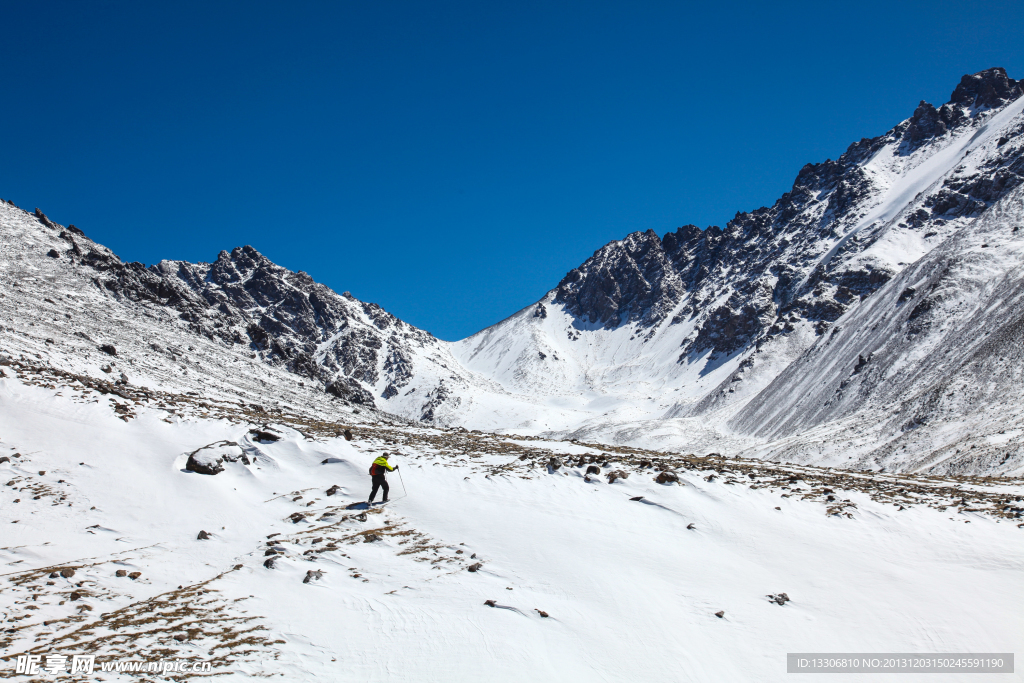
(630, 589)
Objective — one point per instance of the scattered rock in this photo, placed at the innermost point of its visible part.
(296, 517)
(828, 491)
(54, 575)
(67, 572)
(637, 498)
(313, 576)
(205, 462)
(334, 489)
(202, 536)
(778, 508)
(490, 603)
(108, 349)
(646, 463)
(370, 538)
(42, 472)
(264, 435)
(691, 526)
(121, 573)
(667, 477)
(720, 615)
(5, 459)
(269, 562)
(617, 474)
(348, 434)
(475, 566)
(134, 575)
(780, 599)
(75, 595)
(593, 469)
(554, 463)
(181, 637)
(541, 612)
(53, 253)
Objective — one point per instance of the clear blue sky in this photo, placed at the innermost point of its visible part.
(450, 161)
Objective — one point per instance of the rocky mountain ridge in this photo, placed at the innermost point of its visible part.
(669, 342)
(771, 266)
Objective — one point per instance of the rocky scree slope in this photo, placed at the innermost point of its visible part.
(69, 303)
(242, 306)
(927, 373)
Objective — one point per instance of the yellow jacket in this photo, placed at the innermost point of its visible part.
(383, 462)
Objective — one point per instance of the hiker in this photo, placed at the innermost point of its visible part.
(378, 469)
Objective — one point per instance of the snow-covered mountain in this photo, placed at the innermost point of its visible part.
(697, 323)
(184, 447)
(700, 340)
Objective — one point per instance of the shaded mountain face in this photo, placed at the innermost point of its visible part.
(809, 256)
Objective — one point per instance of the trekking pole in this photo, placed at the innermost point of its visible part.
(405, 491)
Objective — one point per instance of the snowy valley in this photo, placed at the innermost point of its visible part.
(698, 452)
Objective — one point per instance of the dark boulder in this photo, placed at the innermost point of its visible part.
(265, 435)
(202, 536)
(617, 474)
(204, 463)
(667, 477)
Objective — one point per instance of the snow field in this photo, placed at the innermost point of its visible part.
(630, 591)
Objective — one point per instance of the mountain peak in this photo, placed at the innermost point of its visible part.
(990, 88)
